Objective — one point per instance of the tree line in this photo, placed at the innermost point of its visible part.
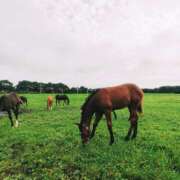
(163, 89)
(40, 87)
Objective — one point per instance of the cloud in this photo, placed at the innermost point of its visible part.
(92, 43)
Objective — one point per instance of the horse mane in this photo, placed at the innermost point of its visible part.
(88, 99)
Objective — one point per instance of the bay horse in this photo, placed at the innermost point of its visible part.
(63, 98)
(11, 102)
(106, 100)
(24, 100)
(49, 103)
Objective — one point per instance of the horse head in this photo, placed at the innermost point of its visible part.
(84, 132)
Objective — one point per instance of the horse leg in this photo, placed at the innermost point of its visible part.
(135, 125)
(16, 112)
(129, 133)
(10, 117)
(114, 113)
(109, 125)
(95, 124)
(67, 101)
(133, 120)
(130, 129)
(56, 102)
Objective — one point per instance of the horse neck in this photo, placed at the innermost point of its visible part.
(86, 116)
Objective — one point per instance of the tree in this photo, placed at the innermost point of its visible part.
(6, 86)
(24, 86)
(60, 88)
(83, 89)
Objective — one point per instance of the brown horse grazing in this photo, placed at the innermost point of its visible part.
(11, 102)
(104, 101)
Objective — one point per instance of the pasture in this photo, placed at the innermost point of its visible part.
(47, 145)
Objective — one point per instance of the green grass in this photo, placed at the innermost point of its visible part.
(47, 144)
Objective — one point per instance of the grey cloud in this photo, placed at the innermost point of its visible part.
(92, 43)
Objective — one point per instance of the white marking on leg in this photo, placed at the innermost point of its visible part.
(16, 123)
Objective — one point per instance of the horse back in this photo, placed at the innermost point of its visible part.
(9, 101)
(50, 98)
(119, 96)
(14, 99)
(62, 97)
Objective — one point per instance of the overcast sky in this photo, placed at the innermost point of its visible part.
(91, 43)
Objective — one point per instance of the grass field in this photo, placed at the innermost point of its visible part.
(47, 144)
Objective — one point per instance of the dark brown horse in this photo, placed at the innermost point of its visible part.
(8, 103)
(104, 101)
(63, 98)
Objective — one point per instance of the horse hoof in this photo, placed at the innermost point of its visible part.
(126, 138)
(133, 138)
(16, 124)
(91, 136)
(111, 143)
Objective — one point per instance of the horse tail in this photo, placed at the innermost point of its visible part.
(57, 99)
(140, 107)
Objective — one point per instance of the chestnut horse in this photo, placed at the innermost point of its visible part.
(11, 102)
(49, 103)
(104, 101)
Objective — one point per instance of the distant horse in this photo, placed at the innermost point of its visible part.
(49, 103)
(104, 101)
(63, 98)
(11, 102)
(24, 100)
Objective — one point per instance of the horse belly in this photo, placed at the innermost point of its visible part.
(121, 106)
(120, 102)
